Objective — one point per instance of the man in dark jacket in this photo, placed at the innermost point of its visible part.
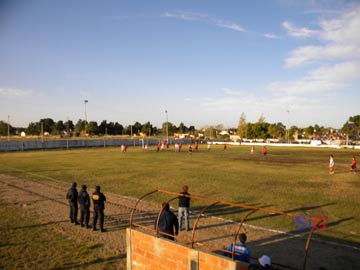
(167, 223)
(99, 206)
(183, 210)
(72, 197)
(84, 201)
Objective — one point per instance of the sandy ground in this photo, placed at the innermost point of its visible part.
(46, 202)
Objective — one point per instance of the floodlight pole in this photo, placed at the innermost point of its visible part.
(167, 127)
(288, 133)
(8, 127)
(85, 101)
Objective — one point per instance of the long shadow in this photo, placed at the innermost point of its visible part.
(35, 225)
(296, 210)
(112, 259)
(24, 202)
(222, 210)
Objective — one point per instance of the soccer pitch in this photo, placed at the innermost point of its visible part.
(294, 180)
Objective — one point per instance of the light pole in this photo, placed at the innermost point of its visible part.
(288, 133)
(167, 127)
(85, 101)
(347, 133)
(8, 127)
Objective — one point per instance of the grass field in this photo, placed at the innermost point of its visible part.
(289, 179)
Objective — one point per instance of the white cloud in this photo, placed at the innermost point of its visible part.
(192, 16)
(298, 32)
(340, 36)
(321, 81)
(11, 92)
(270, 36)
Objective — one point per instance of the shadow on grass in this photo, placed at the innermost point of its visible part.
(34, 225)
(112, 259)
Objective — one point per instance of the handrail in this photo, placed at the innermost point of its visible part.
(216, 202)
(136, 204)
(197, 221)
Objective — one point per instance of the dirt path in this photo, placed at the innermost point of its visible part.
(45, 200)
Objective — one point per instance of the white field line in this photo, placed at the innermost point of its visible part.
(290, 235)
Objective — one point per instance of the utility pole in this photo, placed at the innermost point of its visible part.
(288, 132)
(8, 127)
(167, 127)
(85, 101)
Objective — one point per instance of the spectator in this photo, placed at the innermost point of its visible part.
(99, 206)
(241, 250)
(168, 225)
(184, 205)
(72, 197)
(84, 201)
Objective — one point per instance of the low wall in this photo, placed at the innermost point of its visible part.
(147, 252)
(6, 146)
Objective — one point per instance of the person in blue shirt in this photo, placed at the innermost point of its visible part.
(242, 251)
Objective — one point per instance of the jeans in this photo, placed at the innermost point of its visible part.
(73, 212)
(184, 211)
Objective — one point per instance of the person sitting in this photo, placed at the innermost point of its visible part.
(241, 250)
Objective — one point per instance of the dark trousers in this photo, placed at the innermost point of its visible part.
(84, 215)
(98, 214)
(73, 212)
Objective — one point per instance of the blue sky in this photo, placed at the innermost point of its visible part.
(205, 62)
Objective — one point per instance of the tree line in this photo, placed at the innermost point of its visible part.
(263, 130)
(258, 130)
(92, 128)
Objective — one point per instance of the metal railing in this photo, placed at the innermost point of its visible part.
(201, 214)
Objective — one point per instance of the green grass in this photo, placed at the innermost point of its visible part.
(288, 179)
(25, 244)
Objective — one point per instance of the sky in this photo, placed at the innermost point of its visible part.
(196, 62)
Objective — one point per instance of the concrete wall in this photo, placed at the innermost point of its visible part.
(147, 252)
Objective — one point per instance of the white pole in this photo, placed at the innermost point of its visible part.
(167, 127)
(8, 127)
(85, 101)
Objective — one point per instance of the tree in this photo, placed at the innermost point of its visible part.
(261, 118)
(92, 128)
(33, 129)
(4, 129)
(276, 130)
(147, 129)
(79, 127)
(242, 126)
(59, 127)
(48, 125)
(168, 126)
(102, 127)
(69, 126)
(118, 129)
(182, 128)
(352, 126)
